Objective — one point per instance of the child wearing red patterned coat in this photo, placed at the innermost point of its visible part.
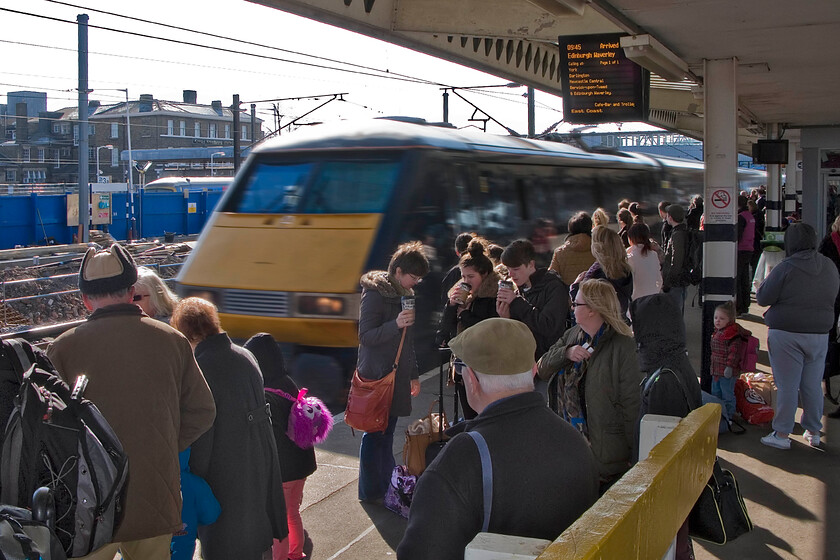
(727, 349)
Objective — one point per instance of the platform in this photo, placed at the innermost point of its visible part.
(787, 492)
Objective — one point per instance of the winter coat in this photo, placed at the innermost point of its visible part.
(200, 507)
(544, 307)
(800, 290)
(238, 456)
(573, 257)
(145, 381)
(295, 463)
(544, 473)
(674, 268)
(379, 337)
(647, 278)
(610, 395)
(479, 306)
(727, 349)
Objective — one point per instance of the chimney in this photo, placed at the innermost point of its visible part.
(21, 124)
(146, 101)
(93, 105)
(190, 96)
(217, 106)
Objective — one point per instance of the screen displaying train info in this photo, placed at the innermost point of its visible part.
(600, 84)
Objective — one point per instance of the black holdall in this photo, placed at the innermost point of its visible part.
(719, 514)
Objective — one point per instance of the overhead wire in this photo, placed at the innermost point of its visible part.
(386, 75)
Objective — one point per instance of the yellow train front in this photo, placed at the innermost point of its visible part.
(310, 212)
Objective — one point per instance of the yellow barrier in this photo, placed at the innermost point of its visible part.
(639, 516)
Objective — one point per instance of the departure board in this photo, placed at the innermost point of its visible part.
(600, 84)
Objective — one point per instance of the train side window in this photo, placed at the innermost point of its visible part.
(499, 206)
(572, 190)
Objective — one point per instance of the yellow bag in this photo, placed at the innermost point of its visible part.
(418, 436)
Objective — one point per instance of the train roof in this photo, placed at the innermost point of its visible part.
(390, 134)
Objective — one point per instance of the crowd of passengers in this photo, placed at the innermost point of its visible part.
(547, 363)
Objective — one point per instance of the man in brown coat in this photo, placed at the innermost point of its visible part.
(145, 380)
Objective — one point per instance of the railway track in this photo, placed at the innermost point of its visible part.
(39, 296)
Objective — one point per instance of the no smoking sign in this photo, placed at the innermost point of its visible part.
(721, 210)
(721, 199)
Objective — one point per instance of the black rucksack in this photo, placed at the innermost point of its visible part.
(694, 256)
(57, 439)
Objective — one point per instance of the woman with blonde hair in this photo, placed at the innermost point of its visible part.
(610, 264)
(600, 218)
(598, 378)
(153, 295)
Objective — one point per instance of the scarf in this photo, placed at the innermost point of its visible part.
(571, 386)
(835, 237)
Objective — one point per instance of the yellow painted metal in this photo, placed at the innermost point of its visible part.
(639, 516)
(335, 333)
(294, 253)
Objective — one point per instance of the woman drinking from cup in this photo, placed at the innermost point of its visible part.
(382, 321)
(470, 301)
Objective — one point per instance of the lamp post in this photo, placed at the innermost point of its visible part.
(213, 169)
(99, 171)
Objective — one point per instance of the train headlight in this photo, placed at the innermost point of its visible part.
(321, 305)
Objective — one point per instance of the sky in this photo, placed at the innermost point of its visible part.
(40, 53)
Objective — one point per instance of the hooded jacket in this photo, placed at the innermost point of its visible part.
(544, 479)
(674, 273)
(295, 463)
(611, 389)
(727, 347)
(379, 337)
(801, 289)
(573, 257)
(479, 306)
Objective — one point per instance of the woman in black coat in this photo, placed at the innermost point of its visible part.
(295, 463)
(238, 455)
(382, 322)
(465, 307)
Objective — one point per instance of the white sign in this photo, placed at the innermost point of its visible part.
(721, 205)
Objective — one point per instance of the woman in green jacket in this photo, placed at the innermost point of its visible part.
(599, 377)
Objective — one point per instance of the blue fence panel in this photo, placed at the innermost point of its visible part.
(36, 219)
(161, 213)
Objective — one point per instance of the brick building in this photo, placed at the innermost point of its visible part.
(177, 137)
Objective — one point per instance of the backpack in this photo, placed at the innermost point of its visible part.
(749, 359)
(16, 356)
(57, 439)
(21, 536)
(310, 420)
(694, 256)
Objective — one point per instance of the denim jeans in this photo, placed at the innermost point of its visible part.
(677, 293)
(724, 389)
(376, 462)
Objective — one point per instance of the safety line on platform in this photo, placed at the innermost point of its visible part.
(351, 543)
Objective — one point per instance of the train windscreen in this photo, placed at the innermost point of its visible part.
(316, 187)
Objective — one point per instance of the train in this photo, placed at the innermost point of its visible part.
(310, 212)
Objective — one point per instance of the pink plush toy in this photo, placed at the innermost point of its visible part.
(310, 420)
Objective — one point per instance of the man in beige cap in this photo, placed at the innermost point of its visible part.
(145, 380)
(542, 473)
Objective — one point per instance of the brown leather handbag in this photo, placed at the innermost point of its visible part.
(369, 401)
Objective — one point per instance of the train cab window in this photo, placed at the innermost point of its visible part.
(271, 189)
(332, 187)
(351, 187)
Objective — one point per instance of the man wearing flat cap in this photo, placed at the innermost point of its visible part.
(145, 381)
(675, 275)
(542, 473)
